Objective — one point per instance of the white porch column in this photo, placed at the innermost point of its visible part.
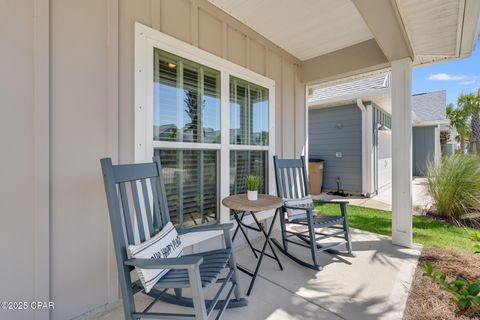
(402, 152)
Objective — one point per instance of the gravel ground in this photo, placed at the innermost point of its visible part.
(426, 300)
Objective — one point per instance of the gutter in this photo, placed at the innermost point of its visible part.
(361, 106)
(348, 97)
(415, 119)
(431, 123)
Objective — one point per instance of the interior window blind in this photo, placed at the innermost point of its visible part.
(186, 100)
(191, 185)
(244, 163)
(248, 113)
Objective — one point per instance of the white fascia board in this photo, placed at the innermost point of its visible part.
(338, 103)
(430, 123)
(470, 28)
(349, 97)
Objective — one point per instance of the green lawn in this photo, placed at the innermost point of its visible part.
(426, 231)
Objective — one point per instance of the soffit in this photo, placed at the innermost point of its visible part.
(437, 28)
(306, 29)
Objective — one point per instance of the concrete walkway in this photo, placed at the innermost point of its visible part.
(383, 201)
(372, 285)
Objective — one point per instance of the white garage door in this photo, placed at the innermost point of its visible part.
(384, 159)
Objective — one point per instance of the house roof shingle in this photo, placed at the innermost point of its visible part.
(430, 106)
(359, 86)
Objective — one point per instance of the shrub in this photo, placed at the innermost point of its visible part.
(465, 294)
(475, 237)
(253, 183)
(454, 185)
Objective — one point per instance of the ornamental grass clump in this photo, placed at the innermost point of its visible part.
(454, 185)
(253, 183)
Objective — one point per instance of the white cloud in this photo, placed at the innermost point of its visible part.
(469, 81)
(447, 77)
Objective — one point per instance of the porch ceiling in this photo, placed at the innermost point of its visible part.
(340, 39)
(306, 29)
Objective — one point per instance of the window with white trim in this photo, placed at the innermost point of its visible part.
(248, 127)
(210, 122)
(186, 109)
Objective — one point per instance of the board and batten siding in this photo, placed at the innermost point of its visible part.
(423, 149)
(332, 130)
(68, 88)
(205, 26)
(24, 167)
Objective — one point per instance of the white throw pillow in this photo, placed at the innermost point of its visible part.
(296, 214)
(165, 244)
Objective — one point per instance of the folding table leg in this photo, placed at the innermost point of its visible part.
(239, 225)
(267, 241)
(236, 218)
(267, 236)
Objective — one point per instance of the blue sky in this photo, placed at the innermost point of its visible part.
(459, 76)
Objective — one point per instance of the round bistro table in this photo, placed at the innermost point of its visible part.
(239, 204)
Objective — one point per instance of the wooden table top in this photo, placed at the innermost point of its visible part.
(239, 202)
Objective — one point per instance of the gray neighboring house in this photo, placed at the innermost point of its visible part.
(429, 119)
(349, 127)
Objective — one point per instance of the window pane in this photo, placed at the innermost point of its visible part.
(186, 100)
(191, 182)
(244, 163)
(248, 113)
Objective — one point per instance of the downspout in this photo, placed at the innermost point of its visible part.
(366, 183)
(438, 145)
(415, 119)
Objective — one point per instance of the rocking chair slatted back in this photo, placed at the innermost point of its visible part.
(291, 178)
(133, 192)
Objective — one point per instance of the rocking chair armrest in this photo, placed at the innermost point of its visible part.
(333, 201)
(208, 227)
(306, 208)
(167, 263)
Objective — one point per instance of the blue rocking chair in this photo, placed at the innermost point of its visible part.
(292, 184)
(196, 271)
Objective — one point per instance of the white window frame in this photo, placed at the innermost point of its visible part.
(146, 39)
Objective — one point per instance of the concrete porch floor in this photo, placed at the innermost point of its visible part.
(383, 200)
(372, 285)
